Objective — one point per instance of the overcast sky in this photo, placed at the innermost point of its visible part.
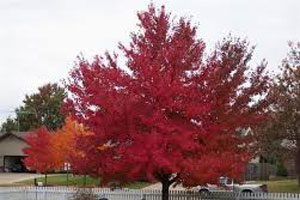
(39, 40)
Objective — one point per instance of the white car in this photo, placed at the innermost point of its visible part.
(227, 185)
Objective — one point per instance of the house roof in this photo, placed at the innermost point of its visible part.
(19, 135)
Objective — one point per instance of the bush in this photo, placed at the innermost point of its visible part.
(84, 194)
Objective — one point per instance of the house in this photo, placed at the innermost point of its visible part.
(11, 154)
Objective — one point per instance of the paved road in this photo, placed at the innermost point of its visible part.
(9, 178)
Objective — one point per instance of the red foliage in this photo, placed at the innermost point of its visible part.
(170, 114)
(40, 156)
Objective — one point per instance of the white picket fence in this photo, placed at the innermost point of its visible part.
(64, 193)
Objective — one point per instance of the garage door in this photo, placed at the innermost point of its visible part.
(14, 164)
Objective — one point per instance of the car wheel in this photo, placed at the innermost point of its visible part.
(245, 192)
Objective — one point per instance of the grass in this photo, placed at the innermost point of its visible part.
(286, 185)
(78, 181)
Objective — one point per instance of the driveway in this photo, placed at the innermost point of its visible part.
(9, 178)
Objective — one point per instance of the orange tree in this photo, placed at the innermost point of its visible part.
(66, 146)
(63, 143)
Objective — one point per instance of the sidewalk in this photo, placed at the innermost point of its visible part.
(10, 178)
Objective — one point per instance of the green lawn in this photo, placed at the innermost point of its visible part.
(77, 180)
(283, 185)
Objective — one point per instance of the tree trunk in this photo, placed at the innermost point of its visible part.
(165, 189)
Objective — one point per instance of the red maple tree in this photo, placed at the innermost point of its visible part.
(40, 156)
(169, 114)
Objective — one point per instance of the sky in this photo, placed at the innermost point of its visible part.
(40, 40)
